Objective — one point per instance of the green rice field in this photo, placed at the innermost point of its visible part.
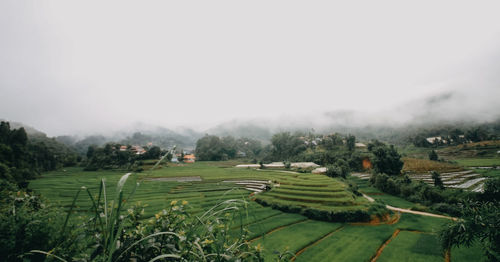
(273, 231)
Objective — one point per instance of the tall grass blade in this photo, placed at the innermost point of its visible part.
(164, 256)
(95, 206)
(121, 183)
(103, 183)
(63, 230)
(144, 238)
(48, 254)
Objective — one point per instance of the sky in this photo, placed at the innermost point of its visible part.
(93, 66)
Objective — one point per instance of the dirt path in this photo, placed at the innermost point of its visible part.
(381, 248)
(402, 210)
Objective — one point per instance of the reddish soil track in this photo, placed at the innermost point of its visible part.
(381, 248)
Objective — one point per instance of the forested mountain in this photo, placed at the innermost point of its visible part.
(23, 156)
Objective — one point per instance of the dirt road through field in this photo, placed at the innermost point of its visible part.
(402, 210)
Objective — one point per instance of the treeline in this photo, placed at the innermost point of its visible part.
(338, 152)
(163, 138)
(23, 157)
(112, 156)
(453, 135)
(214, 148)
(284, 146)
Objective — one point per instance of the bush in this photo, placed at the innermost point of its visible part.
(339, 169)
(433, 155)
(491, 189)
(26, 224)
(333, 171)
(385, 183)
(323, 215)
(354, 189)
(451, 209)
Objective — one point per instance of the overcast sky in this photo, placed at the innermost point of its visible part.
(91, 66)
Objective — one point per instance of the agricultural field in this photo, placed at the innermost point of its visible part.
(479, 162)
(416, 165)
(480, 154)
(205, 184)
(458, 174)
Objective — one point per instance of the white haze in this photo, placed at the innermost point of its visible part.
(99, 66)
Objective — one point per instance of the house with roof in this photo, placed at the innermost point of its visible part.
(189, 158)
(138, 150)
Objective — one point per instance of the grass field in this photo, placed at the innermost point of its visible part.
(413, 246)
(472, 162)
(274, 230)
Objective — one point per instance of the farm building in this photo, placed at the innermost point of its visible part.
(189, 158)
(436, 139)
(360, 145)
(138, 150)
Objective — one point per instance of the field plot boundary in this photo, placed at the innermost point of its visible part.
(278, 229)
(381, 248)
(256, 221)
(393, 236)
(316, 242)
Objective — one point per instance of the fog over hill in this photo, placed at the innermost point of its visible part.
(217, 69)
(453, 109)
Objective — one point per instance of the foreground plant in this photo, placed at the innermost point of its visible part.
(479, 223)
(118, 233)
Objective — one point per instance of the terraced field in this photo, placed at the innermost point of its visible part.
(313, 191)
(272, 230)
(468, 179)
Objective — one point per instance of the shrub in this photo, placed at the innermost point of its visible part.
(27, 223)
(323, 215)
(339, 169)
(433, 155)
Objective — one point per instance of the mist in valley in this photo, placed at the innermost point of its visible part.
(175, 73)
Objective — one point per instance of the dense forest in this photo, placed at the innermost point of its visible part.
(24, 157)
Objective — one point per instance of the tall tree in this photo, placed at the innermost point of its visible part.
(386, 159)
(433, 155)
(351, 142)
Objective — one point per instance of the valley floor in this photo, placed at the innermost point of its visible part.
(404, 237)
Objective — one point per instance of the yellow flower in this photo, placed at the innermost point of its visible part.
(184, 202)
(258, 248)
(174, 202)
(157, 216)
(206, 242)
